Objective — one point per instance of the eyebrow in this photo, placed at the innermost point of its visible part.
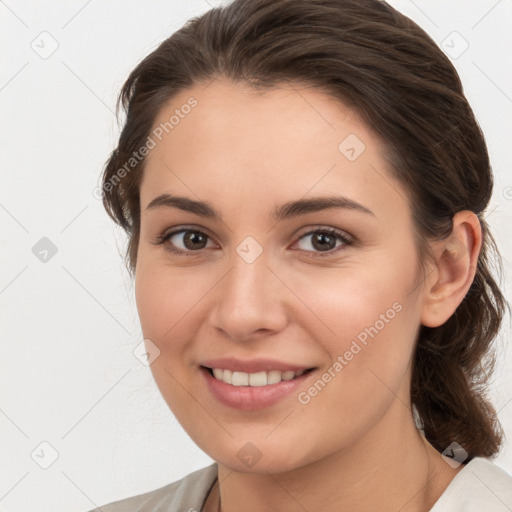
(282, 212)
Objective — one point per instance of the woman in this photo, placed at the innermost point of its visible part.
(303, 184)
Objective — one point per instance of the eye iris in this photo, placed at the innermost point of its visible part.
(194, 240)
(323, 241)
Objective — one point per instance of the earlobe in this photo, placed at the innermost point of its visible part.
(453, 271)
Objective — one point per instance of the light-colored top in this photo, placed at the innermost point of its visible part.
(186, 495)
(480, 486)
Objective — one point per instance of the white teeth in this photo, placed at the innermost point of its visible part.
(227, 376)
(240, 379)
(254, 379)
(258, 379)
(274, 377)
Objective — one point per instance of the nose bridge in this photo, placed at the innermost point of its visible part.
(248, 279)
(248, 298)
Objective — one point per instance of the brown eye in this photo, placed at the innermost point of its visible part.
(187, 240)
(323, 240)
(193, 240)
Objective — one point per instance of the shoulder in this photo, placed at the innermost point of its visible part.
(481, 485)
(187, 495)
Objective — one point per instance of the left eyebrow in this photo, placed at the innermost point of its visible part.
(316, 204)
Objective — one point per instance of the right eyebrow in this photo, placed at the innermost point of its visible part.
(184, 203)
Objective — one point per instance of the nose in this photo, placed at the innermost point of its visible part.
(249, 302)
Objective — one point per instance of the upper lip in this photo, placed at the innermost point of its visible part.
(252, 365)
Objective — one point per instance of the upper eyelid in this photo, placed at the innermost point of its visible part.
(337, 231)
(185, 228)
(180, 229)
(308, 230)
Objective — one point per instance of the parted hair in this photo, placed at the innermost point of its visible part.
(384, 66)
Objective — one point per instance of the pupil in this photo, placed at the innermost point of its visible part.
(194, 240)
(323, 241)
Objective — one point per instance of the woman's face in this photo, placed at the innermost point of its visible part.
(297, 253)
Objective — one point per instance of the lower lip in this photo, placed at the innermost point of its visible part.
(252, 398)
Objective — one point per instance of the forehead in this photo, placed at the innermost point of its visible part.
(234, 117)
(283, 142)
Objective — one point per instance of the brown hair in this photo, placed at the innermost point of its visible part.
(379, 62)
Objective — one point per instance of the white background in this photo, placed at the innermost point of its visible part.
(68, 376)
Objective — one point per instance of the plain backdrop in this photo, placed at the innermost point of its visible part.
(82, 422)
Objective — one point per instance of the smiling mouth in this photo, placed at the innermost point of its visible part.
(257, 379)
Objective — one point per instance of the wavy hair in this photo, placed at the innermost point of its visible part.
(384, 66)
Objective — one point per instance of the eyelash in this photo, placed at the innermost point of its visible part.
(346, 240)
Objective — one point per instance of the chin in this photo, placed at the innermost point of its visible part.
(261, 457)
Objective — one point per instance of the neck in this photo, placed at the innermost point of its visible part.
(392, 467)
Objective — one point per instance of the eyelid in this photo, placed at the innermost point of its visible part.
(344, 235)
(178, 229)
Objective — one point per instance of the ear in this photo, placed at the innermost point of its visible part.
(453, 270)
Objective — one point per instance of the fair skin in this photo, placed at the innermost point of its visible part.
(354, 445)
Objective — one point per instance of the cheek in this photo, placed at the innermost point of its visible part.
(347, 302)
(374, 320)
(167, 301)
(366, 320)
(167, 298)
(152, 298)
